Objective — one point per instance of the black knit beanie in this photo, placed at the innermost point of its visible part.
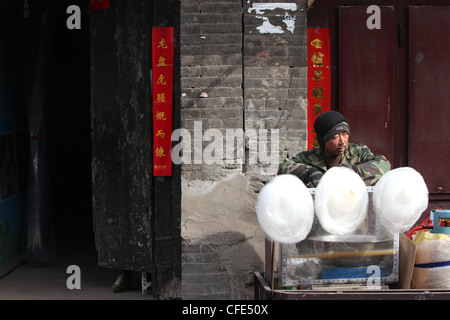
(328, 124)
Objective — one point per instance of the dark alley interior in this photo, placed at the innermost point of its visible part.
(64, 121)
(69, 128)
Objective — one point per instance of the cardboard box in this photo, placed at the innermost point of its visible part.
(407, 257)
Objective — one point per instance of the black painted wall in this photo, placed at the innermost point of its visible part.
(136, 217)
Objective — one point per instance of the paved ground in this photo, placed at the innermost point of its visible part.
(28, 282)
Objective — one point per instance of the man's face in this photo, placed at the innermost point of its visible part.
(336, 145)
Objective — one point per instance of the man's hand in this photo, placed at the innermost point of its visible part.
(314, 176)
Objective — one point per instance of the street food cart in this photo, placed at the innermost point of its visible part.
(370, 264)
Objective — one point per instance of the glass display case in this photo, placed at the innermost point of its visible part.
(368, 257)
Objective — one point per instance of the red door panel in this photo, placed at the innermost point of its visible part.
(429, 96)
(366, 77)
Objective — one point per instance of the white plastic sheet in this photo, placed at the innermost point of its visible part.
(341, 201)
(285, 209)
(399, 198)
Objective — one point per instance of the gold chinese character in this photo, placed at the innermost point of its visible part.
(317, 59)
(161, 62)
(315, 142)
(160, 134)
(317, 75)
(162, 44)
(161, 80)
(159, 152)
(317, 43)
(160, 97)
(317, 109)
(160, 115)
(317, 92)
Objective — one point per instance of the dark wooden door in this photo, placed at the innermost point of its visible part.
(121, 135)
(392, 83)
(366, 77)
(429, 96)
(395, 79)
(136, 216)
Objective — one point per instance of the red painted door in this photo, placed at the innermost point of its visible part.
(429, 96)
(366, 77)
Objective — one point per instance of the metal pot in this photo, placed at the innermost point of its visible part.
(351, 250)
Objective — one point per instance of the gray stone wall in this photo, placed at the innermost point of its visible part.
(243, 76)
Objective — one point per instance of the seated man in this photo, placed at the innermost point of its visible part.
(334, 149)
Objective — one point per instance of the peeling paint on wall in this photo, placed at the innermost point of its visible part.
(288, 18)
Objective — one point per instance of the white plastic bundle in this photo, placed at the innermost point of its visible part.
(432, 269)
(341, 201)
(399, 198)
(285, 209)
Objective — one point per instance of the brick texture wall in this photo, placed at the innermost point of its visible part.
(211, 71)
(275, 75)
(243, 66)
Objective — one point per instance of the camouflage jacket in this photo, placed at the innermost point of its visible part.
(369, 166)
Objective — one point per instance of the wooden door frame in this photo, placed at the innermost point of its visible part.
(323, 14)
(137, 217)
(166, 201)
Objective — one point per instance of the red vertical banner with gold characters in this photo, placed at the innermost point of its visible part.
(98, 4)
(162, 86)
(319, 78)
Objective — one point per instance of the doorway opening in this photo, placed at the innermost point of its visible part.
(61, 80)
(68, 127)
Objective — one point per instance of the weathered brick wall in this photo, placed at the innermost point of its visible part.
(243, 67)
(211, 72)
(275, 73)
